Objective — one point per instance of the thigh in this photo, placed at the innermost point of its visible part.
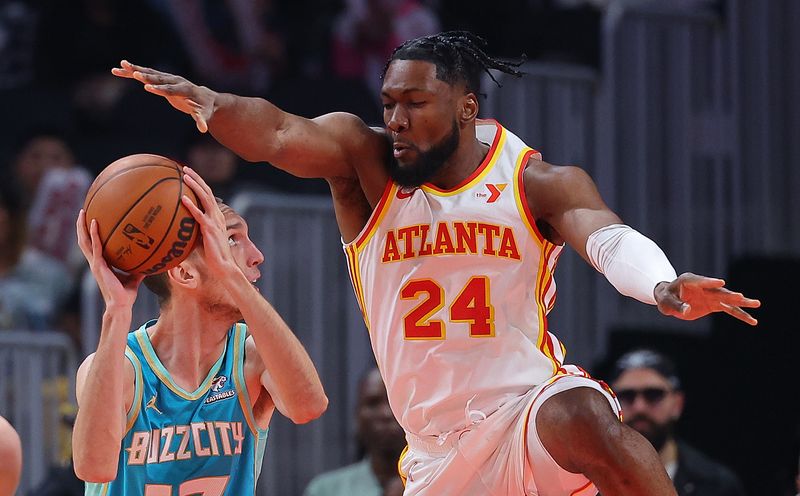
(549, 478)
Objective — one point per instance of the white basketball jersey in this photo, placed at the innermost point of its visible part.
(455, 287)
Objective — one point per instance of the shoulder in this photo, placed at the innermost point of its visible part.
(85, 368)
(552, 188)
(540, 174)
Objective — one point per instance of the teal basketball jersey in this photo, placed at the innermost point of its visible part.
(181, 443)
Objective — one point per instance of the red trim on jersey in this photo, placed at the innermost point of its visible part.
(486, 161)
(577, 491)
(524, 198)
(376, 214)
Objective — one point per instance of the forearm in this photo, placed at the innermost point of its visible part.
(631, 262)
(100, 422)
(248, 126)
(294, 383)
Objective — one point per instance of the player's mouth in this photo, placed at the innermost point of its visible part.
(401, 149)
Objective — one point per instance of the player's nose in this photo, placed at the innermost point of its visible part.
(398, 120)
(255, 257)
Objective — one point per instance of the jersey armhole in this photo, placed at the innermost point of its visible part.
(138, 388)
(521, 198)
(240, 336)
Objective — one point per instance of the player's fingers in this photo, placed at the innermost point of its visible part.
(97, 246)
(83, 235)
(709, 282)
(735, 299)
(199, 180)
(738, 313)
(121, 72)
(197, 115)
(201, 123)
(672, 305)
(193, 210)
(157, 78)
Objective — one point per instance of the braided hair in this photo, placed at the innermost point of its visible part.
(458, 55)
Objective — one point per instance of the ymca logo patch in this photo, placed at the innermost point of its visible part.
(494, 192)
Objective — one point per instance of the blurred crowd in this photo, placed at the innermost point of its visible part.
(71, 117)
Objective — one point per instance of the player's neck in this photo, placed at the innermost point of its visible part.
(464, 161)
(188, 341)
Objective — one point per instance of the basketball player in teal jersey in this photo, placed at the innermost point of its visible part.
(181, 406)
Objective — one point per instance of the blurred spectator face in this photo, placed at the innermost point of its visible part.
(39, 155)
(215, 163)
(650, 404)
(377, 428)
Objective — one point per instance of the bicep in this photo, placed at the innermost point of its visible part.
(128, 381)
(567, 199)
(325, 147)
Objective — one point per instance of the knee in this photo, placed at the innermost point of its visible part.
(580, 430)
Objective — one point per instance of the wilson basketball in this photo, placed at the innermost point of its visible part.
(143, 225)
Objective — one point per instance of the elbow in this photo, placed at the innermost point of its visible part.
(99, 469)
(94, 471)
(311, 410)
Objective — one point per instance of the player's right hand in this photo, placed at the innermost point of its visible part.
(189, 98)
(118, 290)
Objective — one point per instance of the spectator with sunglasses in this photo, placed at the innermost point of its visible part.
(648, 388)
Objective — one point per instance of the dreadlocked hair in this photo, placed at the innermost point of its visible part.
(458, 55)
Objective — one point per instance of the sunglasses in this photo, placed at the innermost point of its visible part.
(651, 395)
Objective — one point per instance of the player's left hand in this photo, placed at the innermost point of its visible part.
(691, 296)
(218, 255)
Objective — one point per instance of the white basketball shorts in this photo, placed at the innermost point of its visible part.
(499, 455)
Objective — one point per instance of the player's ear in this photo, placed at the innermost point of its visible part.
(469, 107)
(184, 275)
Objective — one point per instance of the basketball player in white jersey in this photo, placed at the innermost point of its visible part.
(452, 227)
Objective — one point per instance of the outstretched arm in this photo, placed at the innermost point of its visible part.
(567, 202)
(257, 130)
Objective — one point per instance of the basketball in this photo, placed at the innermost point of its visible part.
(144, 228)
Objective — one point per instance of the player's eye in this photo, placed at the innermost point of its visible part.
(232, 241)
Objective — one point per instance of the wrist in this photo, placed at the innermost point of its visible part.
(115, 316)
(660, 289)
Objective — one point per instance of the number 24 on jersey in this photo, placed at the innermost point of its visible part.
(472, 306)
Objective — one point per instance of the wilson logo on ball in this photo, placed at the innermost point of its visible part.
(185, 233)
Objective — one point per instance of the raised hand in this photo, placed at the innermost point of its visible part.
(216, 246)
(189, 98)
(691, 296)
(119, 290)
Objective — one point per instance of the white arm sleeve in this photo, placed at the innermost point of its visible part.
(631, 262)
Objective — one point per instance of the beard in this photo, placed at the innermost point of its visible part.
(657, 434)
(428, 164)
